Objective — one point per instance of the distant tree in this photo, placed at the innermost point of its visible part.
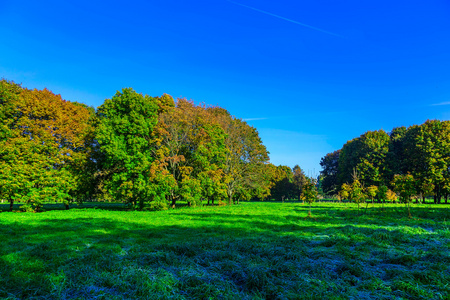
(309, 192)
(367, 155)
(299, 180)
(382, 194)
(371, 192)
(330, 166)
(426, 150)
(391, 196)
(357, 192)
(282, 186)
(404, 185)
(344, 192)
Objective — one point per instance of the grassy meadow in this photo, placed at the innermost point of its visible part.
(255, 250)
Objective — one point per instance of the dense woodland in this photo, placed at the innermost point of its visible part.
(407, 163)
(157, 152)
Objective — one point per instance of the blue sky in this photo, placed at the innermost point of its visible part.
(309, 75)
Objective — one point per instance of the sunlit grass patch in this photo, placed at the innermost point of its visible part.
(249, 251)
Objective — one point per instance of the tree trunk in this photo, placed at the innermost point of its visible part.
(66, 205)
(11, 204)
(173, 203)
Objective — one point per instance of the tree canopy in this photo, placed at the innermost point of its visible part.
(381, 159)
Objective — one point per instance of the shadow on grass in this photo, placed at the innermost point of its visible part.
(224, 255)
(60, 206)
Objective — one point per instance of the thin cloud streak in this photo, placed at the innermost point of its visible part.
(442, 103)
(286, 19)
(254, 119)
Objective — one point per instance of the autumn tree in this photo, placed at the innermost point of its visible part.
(344, 192)
(10, 183)
(45, 140)
(245, 156)
(371, 192)
(190, 149)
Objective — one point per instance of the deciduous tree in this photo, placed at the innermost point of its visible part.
(246, 156)
(309, 192)
(124, 134)
(330, 166)
(404, 185)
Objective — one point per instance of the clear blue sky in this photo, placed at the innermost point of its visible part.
(309, 75)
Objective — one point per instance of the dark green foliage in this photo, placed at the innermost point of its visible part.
(365, 154)
(420, 150)
(330, 165)
(282, 185)
(426, 150)
(299, 180)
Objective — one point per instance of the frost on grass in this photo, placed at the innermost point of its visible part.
(183, 255)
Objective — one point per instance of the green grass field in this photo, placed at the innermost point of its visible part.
(249, 251)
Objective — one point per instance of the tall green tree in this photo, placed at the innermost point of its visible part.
(124, 135)
(367, 155)
(428, 156)
(397, 157)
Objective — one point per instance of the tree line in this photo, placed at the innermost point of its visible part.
(149, 152)
(406, 164)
